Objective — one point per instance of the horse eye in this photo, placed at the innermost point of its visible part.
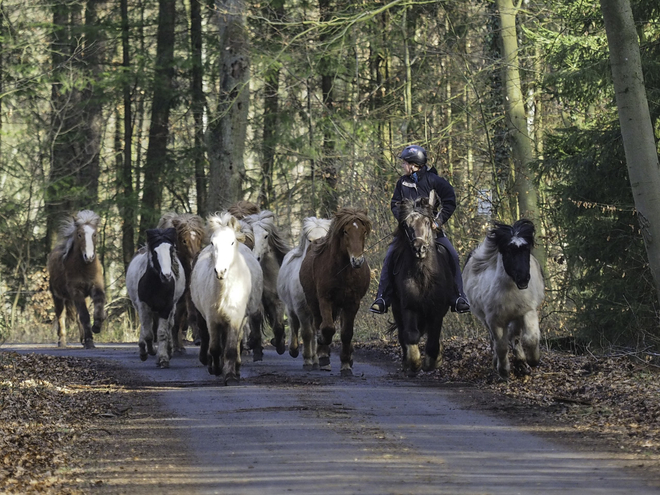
(185, 242)
(233, 243)
(79, 236)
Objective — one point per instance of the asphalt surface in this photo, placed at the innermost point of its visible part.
(285, 430)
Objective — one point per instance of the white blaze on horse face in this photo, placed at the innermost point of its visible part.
(88, 246)
(164, 259)
(225, 247)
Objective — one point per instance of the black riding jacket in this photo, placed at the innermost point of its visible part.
(407, 188)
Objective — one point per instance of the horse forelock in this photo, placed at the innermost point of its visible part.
(520, 234)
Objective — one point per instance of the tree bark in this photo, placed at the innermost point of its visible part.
(516, 118)
(227, 131)
(636, 126)
(126, 203)
(198, 104)
(156, 162)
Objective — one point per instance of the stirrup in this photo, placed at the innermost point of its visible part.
(379, 307)
(461, 305)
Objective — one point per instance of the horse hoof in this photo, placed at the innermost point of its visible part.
(316, 367)
(143, 357)
(257, 354)
(308, 367)
(347, 372)
(324, 361)
(96, 328)
(163, 364)
(231, 380)
(152, 351)
(294, 353)
(180, 351)
(89, 344)
(198, 342)
(61, 344)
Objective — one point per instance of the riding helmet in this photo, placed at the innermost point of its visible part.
(414, 154)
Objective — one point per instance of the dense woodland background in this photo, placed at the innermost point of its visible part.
(138, 107)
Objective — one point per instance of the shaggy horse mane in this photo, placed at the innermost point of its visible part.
(183, 223)
(497, 239)
(343, 217)
(266, 219)
(224, 219)
(242, 209)
(72, 224)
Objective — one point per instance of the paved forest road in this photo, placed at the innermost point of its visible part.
(284, 430)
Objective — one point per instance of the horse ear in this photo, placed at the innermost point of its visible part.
(152, 234)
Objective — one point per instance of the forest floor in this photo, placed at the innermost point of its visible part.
(53, 408)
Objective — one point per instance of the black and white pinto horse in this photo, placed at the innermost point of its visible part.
(504, 284)
(155, 281)
(422, 283)
(291, 293)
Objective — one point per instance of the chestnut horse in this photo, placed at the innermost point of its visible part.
(335, 277)
(189, 239)
(75, 273)
(291, 293)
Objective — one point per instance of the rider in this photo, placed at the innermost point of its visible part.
(418, 181)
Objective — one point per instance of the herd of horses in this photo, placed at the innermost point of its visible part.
(225, 277)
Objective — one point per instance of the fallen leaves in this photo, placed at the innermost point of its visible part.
(46, 406)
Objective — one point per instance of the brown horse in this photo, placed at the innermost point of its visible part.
(335, 277)
(190, 233)
(75, 273)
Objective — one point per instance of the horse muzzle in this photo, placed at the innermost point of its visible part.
(166, 277)
(88, 258)
(357, 262)
(421, 252)
(220, 274)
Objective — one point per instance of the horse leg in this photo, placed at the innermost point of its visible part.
(275, 313)
(326, 331)
(231, 355)
(59, 323)
(409, 336)
(254, 340)
(433, 357)
(179, 326)
(215, 348)
(500, 351)
(192, 318)
(165, 340)
(98, 298)
(531, 337)
(203, 339)
(145, 343)
(346, 335)
(85, 322)
(294, 331)
(310, 355)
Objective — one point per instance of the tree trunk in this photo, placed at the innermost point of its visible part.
(227, 131)
(126, 198)
(636, 126)
(198, 104)
(157, 156)
(271, 111)
(516, 118)
(328, 194)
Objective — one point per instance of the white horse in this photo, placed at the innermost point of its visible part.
(504, 284)
(155, 281)
(291, 292)
(225, 287)
(269, 249)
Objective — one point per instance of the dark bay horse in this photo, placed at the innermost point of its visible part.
(335, 277)
(189, 239)
(75, 273)
(504, 283)
(422, 284)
